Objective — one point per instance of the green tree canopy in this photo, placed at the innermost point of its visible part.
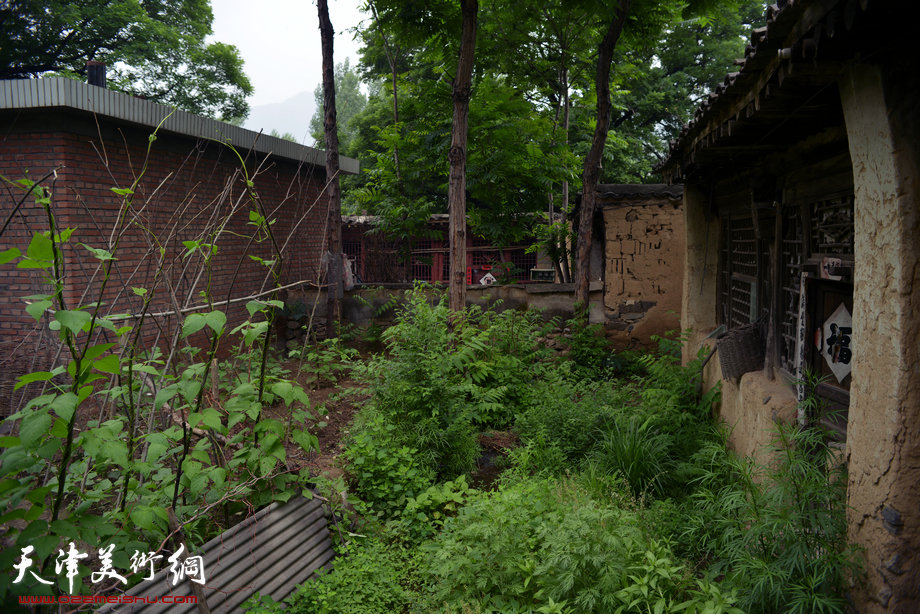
(349, 101)
(533, 106)
(153, 48)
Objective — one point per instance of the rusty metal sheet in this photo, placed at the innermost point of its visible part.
(270, 553)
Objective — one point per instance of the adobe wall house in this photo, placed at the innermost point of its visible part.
(88, 140)
(802, 200)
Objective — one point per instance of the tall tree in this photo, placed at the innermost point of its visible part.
(456, 197)
(333, 193)
(593, 159)
(155, 49)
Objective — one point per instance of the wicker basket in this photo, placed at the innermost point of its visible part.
(741, 350)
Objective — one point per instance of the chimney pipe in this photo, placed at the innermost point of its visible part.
(95, 73)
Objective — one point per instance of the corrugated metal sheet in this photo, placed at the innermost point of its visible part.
(270, 553)
(60, 92)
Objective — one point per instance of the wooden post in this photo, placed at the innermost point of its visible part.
(776, 278)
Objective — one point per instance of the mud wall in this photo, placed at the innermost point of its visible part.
(883, 435)
(644, 245)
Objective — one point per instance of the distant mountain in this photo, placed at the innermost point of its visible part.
(293, 115)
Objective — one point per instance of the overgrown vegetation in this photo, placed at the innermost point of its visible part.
(621, 497)
(120, 435)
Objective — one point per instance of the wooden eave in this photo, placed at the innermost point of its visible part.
(786, 87)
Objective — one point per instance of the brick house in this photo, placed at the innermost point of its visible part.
(802, 209)
(377, 259)
(80, 141)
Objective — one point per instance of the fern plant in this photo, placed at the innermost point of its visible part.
(779, 532)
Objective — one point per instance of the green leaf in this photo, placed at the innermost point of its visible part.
(123, 191)
(189, 389)
(10, 254)
(28, 378)
(194, 322)
(36, 528)
(59, 429)
(41, 248)
(307, 441)
(64, 528)
(211, 418)
(284, 390)
(108, 364)
(74, 321)
(143, 517)
(117, 452)
(99, 253)
(157, 444)
(254, 307)
(65, 405)
(164, 394)
(97, 350)
(33, 427)
(216, 320)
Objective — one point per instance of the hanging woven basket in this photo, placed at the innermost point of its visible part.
(741, 350)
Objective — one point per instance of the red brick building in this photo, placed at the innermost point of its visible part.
(376, 259)
(189, 186)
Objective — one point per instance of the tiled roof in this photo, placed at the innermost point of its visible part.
(785, 82)
(641, 191)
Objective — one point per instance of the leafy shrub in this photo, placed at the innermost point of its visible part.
(589, 350)
(443, 379)
(568, 415)
(121, 433)
(325, 361)
(386, 472)
(779, 535)
(539, 545)
(368, 577)
(425, 514)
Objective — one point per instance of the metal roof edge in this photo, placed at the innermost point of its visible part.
(52, 92)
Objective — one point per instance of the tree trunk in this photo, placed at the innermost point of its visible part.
(334, 212)
(563, 248)
(593, 159)
(456, 194)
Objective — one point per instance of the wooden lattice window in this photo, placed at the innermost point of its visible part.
(793, 262)
(832, 227)
(742, 279)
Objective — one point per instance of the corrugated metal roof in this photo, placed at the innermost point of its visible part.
(50, 92)
(270, 553)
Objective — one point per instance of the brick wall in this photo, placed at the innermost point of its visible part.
(191, 190)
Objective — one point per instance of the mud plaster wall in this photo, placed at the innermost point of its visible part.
(698, 293)
(752, 406)
(644, 264)
(883, 435)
